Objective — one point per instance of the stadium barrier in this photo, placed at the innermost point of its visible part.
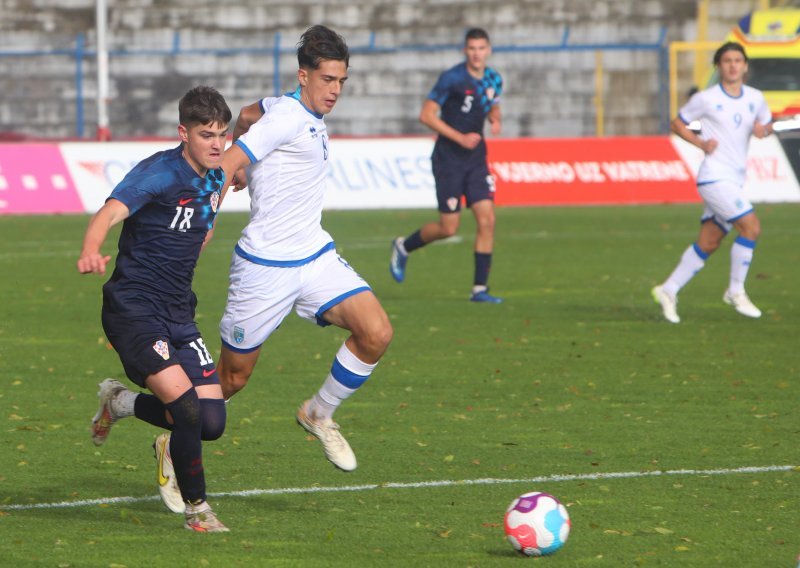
(76, 177)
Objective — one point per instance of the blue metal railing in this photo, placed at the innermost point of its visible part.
(80, 52)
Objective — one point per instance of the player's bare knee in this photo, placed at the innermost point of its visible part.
(447, 231)
(233, 381)
(374, 340)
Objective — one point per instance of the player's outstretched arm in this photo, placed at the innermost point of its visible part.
(91, 261)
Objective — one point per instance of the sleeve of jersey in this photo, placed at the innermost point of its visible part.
(692, 110)
(498, 88)
(441, 90)
(265, 136)
(136, 190)
(267, 102)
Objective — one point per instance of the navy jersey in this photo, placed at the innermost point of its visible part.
(465, 103)
(171, 211)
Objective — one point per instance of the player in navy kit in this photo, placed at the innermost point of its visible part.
(168, 203)
(456, 108)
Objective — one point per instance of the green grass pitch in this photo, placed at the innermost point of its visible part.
(574, 379)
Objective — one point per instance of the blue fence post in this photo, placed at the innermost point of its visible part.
(663, 83)
(276, 66)
(79, 41)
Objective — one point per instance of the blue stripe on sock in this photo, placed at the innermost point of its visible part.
(699, 251)
(345, 376)
(745, 242)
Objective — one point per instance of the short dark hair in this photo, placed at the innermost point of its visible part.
(476, 33)
(203, 105)
(318, 44)
(729, 46)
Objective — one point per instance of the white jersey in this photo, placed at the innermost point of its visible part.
(288, 151)
(728, 120)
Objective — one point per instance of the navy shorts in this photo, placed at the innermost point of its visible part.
(455, 179)
(149, 345)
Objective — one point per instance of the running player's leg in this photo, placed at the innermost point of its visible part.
(175, 390)
(691, 262)
(235, 369)
(714, 226)
(729, 203)
(749, 229)
(259, 298)
(198, 365)
(479, 191)
(450, 182)
(340, 297)
(484, 244)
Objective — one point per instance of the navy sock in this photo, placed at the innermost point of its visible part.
(483, 262)
(185, 446)
(413, 242)
(147, 407)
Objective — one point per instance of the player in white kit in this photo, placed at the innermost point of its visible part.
(730, 112)
(284, 259)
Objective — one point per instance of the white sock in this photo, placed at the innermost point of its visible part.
(347, 374)
(741, 257)
(122, 404)
(692, 261)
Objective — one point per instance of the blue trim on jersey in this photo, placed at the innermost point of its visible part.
(699, 183)
(345, 376)
(336, 301)
(699, 251)
(729, 95)
(686, 122)
(246, 150)
(283, 263)
(296, 96)
(239, 349)
(732, 219)
(745, 242)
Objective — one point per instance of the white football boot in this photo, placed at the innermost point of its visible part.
(336, 448)
(105, 418)
(165, 476)
(741, 304)
(669, 304)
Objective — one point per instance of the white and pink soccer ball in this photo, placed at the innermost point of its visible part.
(537, 524)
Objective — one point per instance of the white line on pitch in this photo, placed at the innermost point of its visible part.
(419, 485)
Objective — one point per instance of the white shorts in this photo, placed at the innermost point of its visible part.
(725, 203)
(260, 297)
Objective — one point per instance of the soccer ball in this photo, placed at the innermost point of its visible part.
(537, 524)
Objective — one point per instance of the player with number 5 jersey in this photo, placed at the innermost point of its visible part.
(463, 98)
(167, 205)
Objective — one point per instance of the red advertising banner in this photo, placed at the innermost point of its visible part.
(35, 179)
(589, 171)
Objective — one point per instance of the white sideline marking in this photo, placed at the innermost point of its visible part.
(419, 485)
